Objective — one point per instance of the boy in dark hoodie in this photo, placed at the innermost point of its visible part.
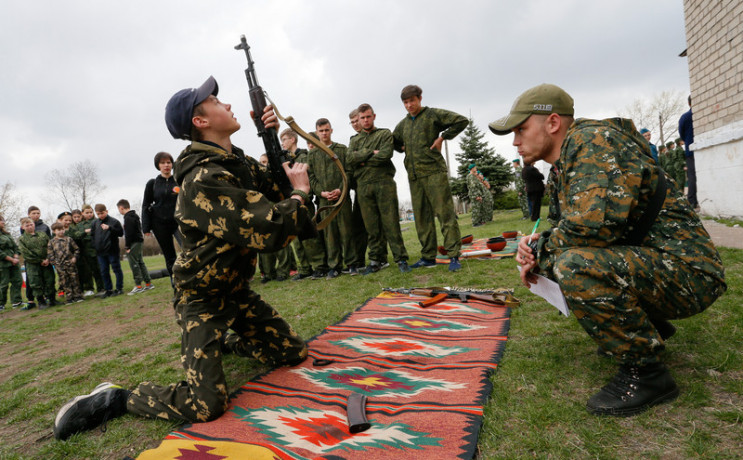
(105, 233)
(228, 209)
(133, 240)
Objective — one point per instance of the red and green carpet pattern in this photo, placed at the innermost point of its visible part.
(424, 371)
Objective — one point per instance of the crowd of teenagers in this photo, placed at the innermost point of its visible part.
(73, 258)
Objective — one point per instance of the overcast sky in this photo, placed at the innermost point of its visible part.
(90, 80)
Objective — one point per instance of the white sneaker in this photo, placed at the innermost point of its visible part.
(147, 287)
(88, 293)
(136, 290)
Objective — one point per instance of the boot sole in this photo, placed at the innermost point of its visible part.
(630, 411)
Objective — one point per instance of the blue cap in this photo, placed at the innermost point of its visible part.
(644, 130)
(179, 110)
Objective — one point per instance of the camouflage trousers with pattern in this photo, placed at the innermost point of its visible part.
(431, 197)
(380, 211)
(616, 293)
(260, 333)
(68, 281)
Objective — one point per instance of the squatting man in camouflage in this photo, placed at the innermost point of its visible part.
(628, 251)
(228, 209)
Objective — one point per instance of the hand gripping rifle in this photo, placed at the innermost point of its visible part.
(276, 155)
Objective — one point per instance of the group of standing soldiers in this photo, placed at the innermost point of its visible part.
(372, 221)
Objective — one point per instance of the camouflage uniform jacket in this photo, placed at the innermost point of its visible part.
(415, 135)
(605, 179)
(81, 237)
(324, 174)
(34, 248)
(61, 250)
(518, 182)
(475, 188)
(226, 213)
(367, 166)
(8, 248)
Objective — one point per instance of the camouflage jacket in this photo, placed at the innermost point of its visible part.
(475, 187)
(81, 237)
(34, 247)
(61, 250)
(364, 164)
(415, 135)
(8, 248)
(228, 209)
(518, 182)
(605, 179)
(324, 174)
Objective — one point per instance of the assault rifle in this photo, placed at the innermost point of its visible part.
(276, 155)
(436, 294)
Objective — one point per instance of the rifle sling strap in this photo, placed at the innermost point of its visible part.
(335, 209)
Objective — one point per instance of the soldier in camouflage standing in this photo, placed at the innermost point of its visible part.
(359, 237)
(39, 271)
(476, 192)
(63, 253)
(327, 183)
(370, 161)
(228, 209)
(518, 184)
(628, 251)
(420, 135)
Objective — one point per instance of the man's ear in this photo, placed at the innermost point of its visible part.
(200, 122)
(553, 123)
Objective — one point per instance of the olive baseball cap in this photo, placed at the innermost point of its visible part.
(179, 110)
(543, 99)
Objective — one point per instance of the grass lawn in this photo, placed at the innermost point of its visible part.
(536, 409)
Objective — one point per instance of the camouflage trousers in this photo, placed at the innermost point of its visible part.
(276, 264)
(523, 203)
(41, 279)
(338, 233)
(358, 234)
(261, 333)
(431, 196)
(68, 281)
(479, 212)
(10, 275)
(88, 271)
(380, 211)
(616, 293)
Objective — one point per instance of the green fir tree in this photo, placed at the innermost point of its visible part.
(494, 167)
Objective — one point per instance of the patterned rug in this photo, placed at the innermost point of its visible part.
(424, 371)
(478, 249)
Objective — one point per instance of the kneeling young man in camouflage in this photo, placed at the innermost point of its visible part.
(628, 251)
(227, 210)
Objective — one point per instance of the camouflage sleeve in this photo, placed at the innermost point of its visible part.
(74, 249)
(50, 252)
(397, 137)
(312, 161)
(213, 201)
(596, 195)
(453, 123)
(384, 145)
(24, 250)
(357, 156)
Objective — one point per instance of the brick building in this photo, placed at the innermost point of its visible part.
(714, 38)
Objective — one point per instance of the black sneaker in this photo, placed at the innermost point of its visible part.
(332, 274)
(403, 266)
(373, 267)
(300, 276)
(265, 279)
(353, 271)
(633, 390)
(118, 292)
(318, 275)
(106, 402)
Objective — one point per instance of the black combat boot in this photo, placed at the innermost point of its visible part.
(43, 304)
(633, 390)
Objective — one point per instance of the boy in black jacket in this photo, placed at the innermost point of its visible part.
(133, 239)
(105, 234)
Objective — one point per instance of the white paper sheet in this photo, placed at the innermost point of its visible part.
(549, 291)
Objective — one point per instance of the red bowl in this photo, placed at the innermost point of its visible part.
(467, 239)
(442, 250)
(510, 234)
(496, 244)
